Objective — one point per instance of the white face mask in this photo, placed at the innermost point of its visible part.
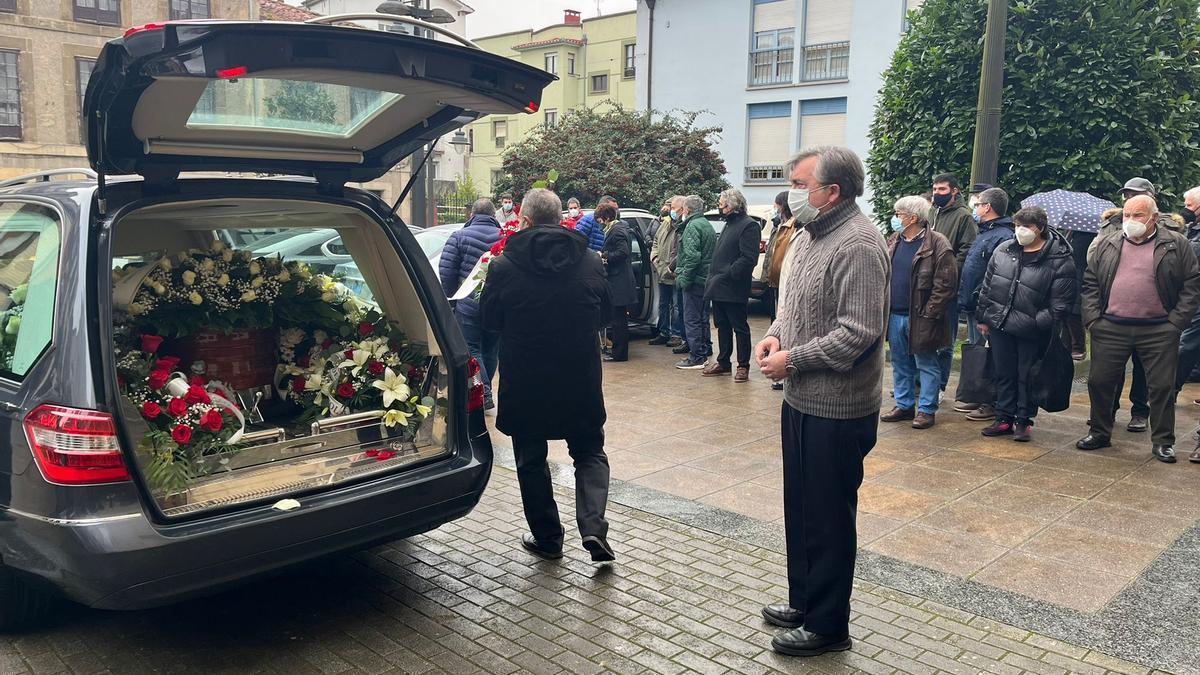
(573, 212)
(804, 212)
(1025, 236)
(1133, 228)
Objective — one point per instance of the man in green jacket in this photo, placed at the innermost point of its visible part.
(951, 218)
(662, 252)
(691, 275)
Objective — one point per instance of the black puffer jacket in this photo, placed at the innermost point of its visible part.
(1026, 300)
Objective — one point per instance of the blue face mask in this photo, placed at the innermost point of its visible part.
(897, 224)
(975, 216)
(674, 214)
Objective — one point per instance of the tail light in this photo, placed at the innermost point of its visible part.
(75, 447)
(144, 28)
(475, 382)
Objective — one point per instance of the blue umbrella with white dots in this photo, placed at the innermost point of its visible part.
(1068, 210)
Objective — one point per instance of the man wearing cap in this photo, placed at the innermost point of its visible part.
(1139, 395)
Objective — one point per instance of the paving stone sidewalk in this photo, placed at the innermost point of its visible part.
(466, 598)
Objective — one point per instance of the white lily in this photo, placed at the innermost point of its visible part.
(394, 387)
(393, 417)
(358, 359)
(423, 410)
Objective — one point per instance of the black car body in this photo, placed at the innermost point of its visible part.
(90, 528)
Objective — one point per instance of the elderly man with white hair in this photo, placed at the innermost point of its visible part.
(1140, 291)
(728, 286)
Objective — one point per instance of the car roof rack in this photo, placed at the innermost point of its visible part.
(45, 176)
(394, 18)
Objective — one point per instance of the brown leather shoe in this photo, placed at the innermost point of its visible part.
(922, 421)
(898, 415)
(742, 374)
(715, 370)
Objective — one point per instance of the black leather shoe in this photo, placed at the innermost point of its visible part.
(599, 548)
(783, 615)
(1092, 442)
(1164, 453)
(537, 548)
(799, 642)
(681, 349)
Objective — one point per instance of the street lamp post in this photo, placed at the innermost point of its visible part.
(986, 155)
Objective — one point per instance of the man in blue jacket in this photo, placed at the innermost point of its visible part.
(460, 255)
(995, 228)
(593, 230)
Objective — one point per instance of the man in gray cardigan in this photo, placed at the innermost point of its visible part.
(826, 343)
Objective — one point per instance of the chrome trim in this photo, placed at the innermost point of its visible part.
(73, 522)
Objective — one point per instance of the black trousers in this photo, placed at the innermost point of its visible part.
(1139, 392)
(731, 318)
(1112, 345)
(1073, 335)
(619, 331)
(1013, 357)
(822, 470)
(537, 493)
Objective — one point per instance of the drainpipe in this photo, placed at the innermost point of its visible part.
(650, 57)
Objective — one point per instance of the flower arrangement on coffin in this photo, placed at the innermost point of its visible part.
(10, 324)
(187, 423)
(377, 369)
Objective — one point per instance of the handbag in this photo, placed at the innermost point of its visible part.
(977, 375)
(1051, 376)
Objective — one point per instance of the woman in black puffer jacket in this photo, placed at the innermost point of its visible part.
(1029, 288)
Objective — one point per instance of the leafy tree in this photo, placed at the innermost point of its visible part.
(1094, 93)
(640, 159)
(302, 101)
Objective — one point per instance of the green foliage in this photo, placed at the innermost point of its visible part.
(1094, 93)
(639, 158)
(302, 101)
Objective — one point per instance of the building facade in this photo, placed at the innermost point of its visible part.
(781, 75)
(596, 64)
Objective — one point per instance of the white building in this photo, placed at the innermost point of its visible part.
(446, 165)
(777, 75)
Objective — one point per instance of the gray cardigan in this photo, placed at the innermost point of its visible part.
(833, 317)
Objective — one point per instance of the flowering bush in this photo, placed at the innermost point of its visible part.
(184, 428)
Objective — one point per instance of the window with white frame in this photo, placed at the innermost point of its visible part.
(772, 47)
(10, 96)
(570, 63)
(551, 117)
(826, 52)
(552, 63)
(630, 58)
(768, 138)
(822, 122)
(500, 132)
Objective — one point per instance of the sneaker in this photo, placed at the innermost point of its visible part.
(716, 370)
(681, 349)
(742, 374)
(998, 428)
(688, 364)
(898, 414)
(965, 407)
(941, 396)
(1136, 424)
(660, 340)
(675, 341)
(923, 420)
(1021, 432)
(1078, 356)
(983, 413)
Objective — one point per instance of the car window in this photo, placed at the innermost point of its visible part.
(29, 252)
(432, 241)
(336, 247)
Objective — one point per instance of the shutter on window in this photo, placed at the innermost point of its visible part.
(769, 140)
(774, 16)
(823, 130)
(827, 21)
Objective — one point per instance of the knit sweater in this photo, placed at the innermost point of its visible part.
(833, 316)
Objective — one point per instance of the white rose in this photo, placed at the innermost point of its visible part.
(165, 263)
(255, 268)
(328, 296)
(135, 308)
(189, 278)
(223, 280)
(159, 288)
(218, 245)
(249, 296)
(208, 265)
(227, 255)
(256, 282)
(244, 255)
(320, 336)
(283, 276)
(196, 298)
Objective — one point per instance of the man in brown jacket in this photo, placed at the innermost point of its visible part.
(924, 279)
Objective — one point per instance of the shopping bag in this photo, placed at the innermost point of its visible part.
(1051, 376)
(976, 377)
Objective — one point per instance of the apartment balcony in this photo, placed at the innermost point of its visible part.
(828, 61)
(763, 174)
(771, 66)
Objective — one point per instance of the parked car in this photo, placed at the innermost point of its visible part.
(80, 517)
(641, 226)
(321, 249)
(431, 240)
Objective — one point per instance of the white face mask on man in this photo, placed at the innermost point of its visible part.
(573, 211)
(1133, 228)
(1025, 235)
(804, 212)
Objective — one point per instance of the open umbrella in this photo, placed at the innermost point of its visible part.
(1068, 210)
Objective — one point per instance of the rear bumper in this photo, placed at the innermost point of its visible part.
(127, 562)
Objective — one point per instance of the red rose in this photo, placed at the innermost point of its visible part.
(384, 454)
(345, 390)
(327, 344)
(498, 247)
(196, 394)
(212, 421)
(349, 354)
(182, 433)
(177, 407)
(166, 363)
(150, 410)
(196, 381)
(376, 368)
(365, 328)
(298, 384)
(416, 375)
(151, 343)
(158, 379)
(303, 361)
(372, 453)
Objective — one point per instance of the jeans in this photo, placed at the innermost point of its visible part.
(1013, 357)
(906, 368)
(945, 355)
(670, 312)
(679, 318)
(696, 314)
(484, 345)
(537, 493)
(731, 320)
(1112, 345)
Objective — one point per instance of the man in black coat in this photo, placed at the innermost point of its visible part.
(617, 256)
(546, 295)
(728, 286)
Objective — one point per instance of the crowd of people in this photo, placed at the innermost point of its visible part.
(838, 292)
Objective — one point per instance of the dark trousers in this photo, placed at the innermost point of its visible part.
(1139, 396)
(670, 313)
(946, 354)
(1013, 357)
(484, 345)
(1112, 345)
(1189, 352)
(731, 319)
(619, 330)
(680, 320)
(695, 323)
(1072, 334)
(537, 493)
(822, 470)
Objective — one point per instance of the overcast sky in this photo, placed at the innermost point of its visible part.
(503, 16)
